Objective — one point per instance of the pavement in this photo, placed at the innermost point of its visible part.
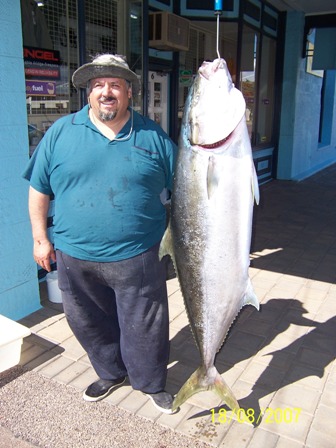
(279, 362)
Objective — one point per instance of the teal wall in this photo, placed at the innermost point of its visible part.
(299, 153)
(19, 293)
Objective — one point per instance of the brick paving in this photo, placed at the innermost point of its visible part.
(279, 362)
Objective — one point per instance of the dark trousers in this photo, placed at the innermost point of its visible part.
(118, 311)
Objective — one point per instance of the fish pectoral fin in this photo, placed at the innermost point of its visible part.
(166, 245)
(213, 176)
(255, 186)
(250, 297)
(202, 380)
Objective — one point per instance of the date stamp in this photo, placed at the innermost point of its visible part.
(268, 415)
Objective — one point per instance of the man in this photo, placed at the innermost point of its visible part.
(106, 166)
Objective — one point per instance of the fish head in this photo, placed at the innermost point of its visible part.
(216, 106)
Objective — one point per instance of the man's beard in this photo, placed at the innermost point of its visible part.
(107, 116)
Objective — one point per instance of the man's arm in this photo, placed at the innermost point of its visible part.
(38, 211)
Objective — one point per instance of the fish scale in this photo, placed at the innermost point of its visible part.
(209, 233)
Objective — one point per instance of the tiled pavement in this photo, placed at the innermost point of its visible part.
(279, 361)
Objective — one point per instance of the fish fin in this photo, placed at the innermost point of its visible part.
(202, 380)
(255, 186)
(250, 296)
(213, 176)
(166, 245)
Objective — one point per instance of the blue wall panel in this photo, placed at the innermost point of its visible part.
(19, 293)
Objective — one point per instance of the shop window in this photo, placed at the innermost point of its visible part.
(257, 84)
(249, 55)
(51, 48)
(264, 125)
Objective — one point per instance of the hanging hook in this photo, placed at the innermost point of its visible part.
(218, 11)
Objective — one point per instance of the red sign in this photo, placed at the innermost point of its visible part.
(41, 63)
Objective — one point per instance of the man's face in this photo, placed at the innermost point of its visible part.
(109, 98)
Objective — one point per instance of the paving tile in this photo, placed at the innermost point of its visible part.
(72, 348)
(249, 342)
(205, 400)
(315, 358)
(265, 376)
(34, 339)
(149, 412)
(294, 324)
(332, 374)
(33, 353)
(85, 359)
(282, 359)
(173, 286)
(268, 276)
(172, 421)
(323, 430)
(261, 438)
(316, 284)
(307, 376)
(202, 426)
(57, 332)
(45, 316)
(180, 372)
(232, 355)
(296, 396)
(320, 439)
(133, 401)
(252, 397)
(70, 373)
(39, 362)
(284, 341)
(239, 435)
(34, 327)
(180, 321)
(297, 430)
(281, 293)
(57, 365)
(256, 327)
(259, 281)
(119, 394)
(310, 292)
(310, 305)
(84, 379)
(284, 442)
(175, 309)
(230, 374)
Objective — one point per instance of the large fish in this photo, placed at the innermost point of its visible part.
(209, 234)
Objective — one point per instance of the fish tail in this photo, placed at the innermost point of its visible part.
(202, 380)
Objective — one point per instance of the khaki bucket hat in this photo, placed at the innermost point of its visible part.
(106, 66)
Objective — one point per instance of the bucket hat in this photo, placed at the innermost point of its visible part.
(106, 66)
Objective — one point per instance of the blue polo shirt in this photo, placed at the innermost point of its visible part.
(107, 193)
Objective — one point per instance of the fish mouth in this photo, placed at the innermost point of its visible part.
(215, 145)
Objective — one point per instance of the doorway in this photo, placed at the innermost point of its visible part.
(158, 98)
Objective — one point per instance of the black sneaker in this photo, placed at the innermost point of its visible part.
(163, 401)
(101, 389)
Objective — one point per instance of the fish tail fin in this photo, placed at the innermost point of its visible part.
(250, 296)
(202, 380)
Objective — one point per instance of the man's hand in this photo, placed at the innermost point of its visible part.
(44, 253)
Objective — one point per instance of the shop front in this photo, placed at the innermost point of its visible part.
(60, 35)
